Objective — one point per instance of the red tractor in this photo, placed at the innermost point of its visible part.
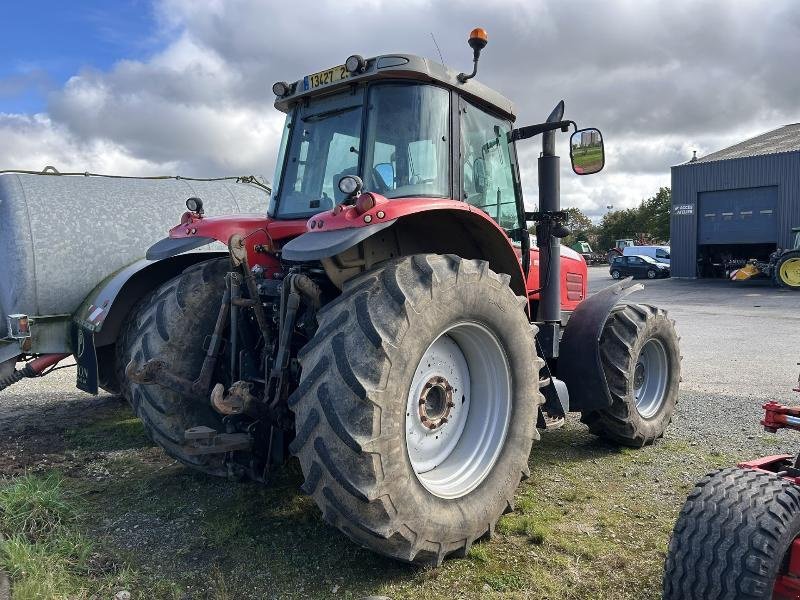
(738, 535)
(387, 321)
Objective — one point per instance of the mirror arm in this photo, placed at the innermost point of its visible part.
(523, 133)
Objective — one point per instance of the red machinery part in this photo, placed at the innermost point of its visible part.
(777, 416)
(787, 585)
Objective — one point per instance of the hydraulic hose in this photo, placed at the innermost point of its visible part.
(16, 376)
(32, 369)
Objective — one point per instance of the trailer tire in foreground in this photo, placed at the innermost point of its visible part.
(641, 361)
(377, 379)
(172, 324)
(732, 537)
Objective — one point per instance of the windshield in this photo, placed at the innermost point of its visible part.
(406, 154)
(649, 260)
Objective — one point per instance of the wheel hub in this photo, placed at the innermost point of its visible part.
(458, 410)
(650, 378)
(638, 375)
(435, 402)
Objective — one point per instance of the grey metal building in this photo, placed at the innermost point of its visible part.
(735, 204)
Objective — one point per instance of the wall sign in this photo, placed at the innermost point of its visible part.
(683, 209)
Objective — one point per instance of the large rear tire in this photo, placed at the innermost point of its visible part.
(172, 325)
(733, 537)
(382, 456)
(787, 270)
(641, 361)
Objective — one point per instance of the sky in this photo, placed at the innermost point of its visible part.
(144, 87)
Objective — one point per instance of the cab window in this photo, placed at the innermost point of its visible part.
(487, 170)
(408, 135)
(661, 253)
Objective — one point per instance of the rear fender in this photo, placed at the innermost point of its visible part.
(348, 243)
(579, 363)
(104, 310)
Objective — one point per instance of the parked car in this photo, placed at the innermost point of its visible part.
(660, 253)
(637, 266)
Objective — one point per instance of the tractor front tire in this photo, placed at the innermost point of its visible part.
(733, 538)
(172, 324)
(417, 406)
(787, 270)
(641, 361)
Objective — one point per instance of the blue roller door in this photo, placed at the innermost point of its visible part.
(743, 216)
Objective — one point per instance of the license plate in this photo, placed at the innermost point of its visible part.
(325, 77)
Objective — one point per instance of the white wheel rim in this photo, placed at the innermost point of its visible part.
(650, 378)
(458, 410)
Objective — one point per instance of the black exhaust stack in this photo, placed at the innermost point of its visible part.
(549, 231)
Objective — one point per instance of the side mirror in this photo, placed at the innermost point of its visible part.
(386, 171)
(479, 175)
(586, 151)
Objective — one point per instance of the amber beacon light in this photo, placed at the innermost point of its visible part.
(478, 38)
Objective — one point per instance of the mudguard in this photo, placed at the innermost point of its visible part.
(103, 310)
(579, 362)
(322, 244)
(169, 247)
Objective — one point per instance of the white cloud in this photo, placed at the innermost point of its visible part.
(659, 79)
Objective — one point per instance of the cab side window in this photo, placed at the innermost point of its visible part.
(487, 170)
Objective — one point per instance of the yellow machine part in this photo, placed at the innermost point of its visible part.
(746, 272)
(789, 272)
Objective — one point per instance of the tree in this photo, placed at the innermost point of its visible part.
(656, 213)
(581, 227)
(647, 223)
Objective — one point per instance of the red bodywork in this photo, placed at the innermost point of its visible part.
(264, 236)
(778, 416)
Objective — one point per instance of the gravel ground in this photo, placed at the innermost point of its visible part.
(740, 350)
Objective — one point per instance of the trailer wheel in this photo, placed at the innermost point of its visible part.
(417, 406)
(172, 324)
(641, 362)
(734, 539)
(787, 271)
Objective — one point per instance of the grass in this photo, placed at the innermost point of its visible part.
(40, 547)
(34, 507)
(592, 521)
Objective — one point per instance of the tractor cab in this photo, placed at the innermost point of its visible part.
(407, 127)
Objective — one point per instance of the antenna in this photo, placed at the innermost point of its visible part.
(433, 37)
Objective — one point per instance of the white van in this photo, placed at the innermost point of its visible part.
(660, 253)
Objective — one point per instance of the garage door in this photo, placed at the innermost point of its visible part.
(744, 216)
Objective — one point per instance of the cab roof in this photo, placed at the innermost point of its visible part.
(403, 66)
